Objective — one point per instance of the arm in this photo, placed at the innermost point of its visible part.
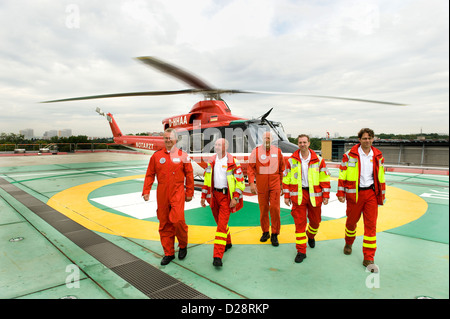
(206, 188)
(286, 183)
(149, 178)
(342, 178)
(324, 181)
(240, 184)
(251, 171)
(189, 173)
(281, 166)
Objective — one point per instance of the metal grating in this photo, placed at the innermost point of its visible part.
(148, 279)
(85, 238)
(155, 283)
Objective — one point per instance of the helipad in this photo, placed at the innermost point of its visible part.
(98, 195)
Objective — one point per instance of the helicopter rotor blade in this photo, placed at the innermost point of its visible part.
(103, 96)
(200, 87)
(324, 97)
(211, 93)
(174, 71)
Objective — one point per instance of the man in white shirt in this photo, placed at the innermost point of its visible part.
(223, 190)
(362, 183)
(307, 198)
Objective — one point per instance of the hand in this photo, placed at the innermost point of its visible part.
(146, 197)
(325, 201)
(287, 201)
(188, 198)
(253, 188)
(233, 203)
(341, 199)
(202, 202)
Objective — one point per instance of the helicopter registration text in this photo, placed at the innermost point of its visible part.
(177, 121)
(144, 145)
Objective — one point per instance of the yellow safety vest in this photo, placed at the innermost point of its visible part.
(318, 178)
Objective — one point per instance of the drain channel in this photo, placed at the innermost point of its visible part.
(148, 279)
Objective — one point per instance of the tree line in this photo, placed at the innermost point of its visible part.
(12, 138)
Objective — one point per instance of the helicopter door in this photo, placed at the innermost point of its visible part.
(197, 142)
(240, 144)
(183, 141)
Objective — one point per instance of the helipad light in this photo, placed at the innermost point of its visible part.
(69, 297)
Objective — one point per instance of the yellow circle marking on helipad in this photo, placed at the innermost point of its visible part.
(401, 207)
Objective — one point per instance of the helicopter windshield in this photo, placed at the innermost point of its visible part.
(242, 136)
(257, 130)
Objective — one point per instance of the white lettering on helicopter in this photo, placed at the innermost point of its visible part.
(144, 145)
(177, 121)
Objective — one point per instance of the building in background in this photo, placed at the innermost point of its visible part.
(418, 152)
(27, 133)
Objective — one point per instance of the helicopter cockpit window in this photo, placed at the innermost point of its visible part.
(197, 142)
(257, 130)
(240, 144)
(210, 136)
(183, 141)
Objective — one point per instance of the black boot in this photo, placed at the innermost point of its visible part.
(299, 258)
(167, 259)
(274, 240)
(264, 237)
(217, 262)
(182, 253)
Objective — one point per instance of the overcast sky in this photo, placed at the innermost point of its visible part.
(388, 50)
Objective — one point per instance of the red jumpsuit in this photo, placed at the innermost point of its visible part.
(171, 169)
(366, 203)
(268, 167)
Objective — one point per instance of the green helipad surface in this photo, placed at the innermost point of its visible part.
(412, 257)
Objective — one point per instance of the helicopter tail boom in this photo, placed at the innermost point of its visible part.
(112, 123)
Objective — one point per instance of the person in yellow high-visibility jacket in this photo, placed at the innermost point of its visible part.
(362, 183)
(223, 190)
(306, 184)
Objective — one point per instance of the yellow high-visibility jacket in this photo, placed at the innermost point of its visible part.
(235, 181)
(318, 179)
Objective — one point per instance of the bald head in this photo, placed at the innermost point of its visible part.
(221, 147)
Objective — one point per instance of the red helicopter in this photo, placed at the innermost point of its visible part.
(207, 121)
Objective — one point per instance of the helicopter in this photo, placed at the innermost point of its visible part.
(208, 120)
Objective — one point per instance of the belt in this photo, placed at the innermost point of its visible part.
(366, 188)
(221, 190)
(305, 188)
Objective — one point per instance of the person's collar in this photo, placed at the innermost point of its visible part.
(361, 151)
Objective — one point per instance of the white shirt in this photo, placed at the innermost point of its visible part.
(220, 172)
(305, 165)
(366, 162)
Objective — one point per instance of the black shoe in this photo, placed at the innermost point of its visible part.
(299, 258)
(311, 242)
(182, 253)
(217, 262)
(167, 259)
(228, 246)
(264, 237)
(274, 240)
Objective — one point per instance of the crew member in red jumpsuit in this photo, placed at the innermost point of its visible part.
(266, 163)
(173, 169)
